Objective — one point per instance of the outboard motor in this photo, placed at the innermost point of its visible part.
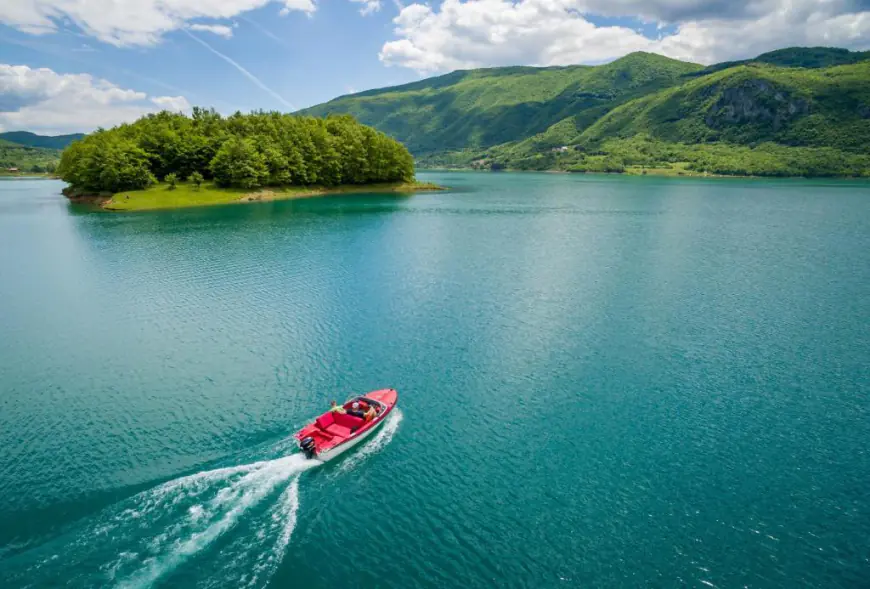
(308, 447)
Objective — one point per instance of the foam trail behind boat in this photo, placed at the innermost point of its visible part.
(211, 515)
(251, 558)
(153, 533)
(376, 444)
(239, 518)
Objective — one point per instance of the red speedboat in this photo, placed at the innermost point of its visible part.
(337, 431)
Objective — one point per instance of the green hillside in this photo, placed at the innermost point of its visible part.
(794, 111)
(754, 118)
(753, 103)
(486, 107)
(31, 153)
(806, 57)
(27, 159)
(45, 141)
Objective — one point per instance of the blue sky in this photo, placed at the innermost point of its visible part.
(71, 65)
(305, 59)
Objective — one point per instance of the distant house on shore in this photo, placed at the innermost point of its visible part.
(12, 170)
(562, 149)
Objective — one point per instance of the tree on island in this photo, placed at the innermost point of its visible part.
(244, 151)
(172, 180)
(238, 163)
(195, 179)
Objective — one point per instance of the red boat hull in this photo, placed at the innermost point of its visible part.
(334, 433)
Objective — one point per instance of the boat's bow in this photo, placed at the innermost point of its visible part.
(333, 433)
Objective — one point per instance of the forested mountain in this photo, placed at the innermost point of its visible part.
(486, 107)
(44, 141)
(27, 159)
(795, 111)
(242, 151)
(29, 152)
(806, 57)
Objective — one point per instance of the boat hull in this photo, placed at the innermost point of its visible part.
(328, 455)
(331, 435)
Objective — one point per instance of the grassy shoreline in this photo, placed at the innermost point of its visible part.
(5, 174)
(660, 172)
(184, 195)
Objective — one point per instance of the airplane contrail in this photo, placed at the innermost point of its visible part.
(64, 52)
(243, 71)
(265, 31)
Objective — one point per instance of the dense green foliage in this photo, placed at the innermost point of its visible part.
(753, 104)
(244, 151)
(196, 179)
(642, 152)
(750, 119)
(486, 107)
(44, 141)
(27, 159)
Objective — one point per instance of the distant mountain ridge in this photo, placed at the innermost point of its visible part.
(485, 107)
(640, 110)
(44, 141)
(805, 57)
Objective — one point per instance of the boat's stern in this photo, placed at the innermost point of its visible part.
(310, 440)
(308, 447)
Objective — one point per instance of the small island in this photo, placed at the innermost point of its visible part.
(170, 160)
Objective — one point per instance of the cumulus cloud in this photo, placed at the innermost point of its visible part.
(838, 23)
(368, 6)
(219, 30)
(671, 11)
(500, 32)
(129, 22)
(172, 103)
(474, 33)
(42, 100)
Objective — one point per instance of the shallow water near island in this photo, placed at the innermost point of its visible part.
(603, 382)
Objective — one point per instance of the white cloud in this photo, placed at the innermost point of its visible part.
(129, 22)
(671, 11)
(474, 33)
(172, 103)
(499, 32)
(219, 30)
(369, 6)
(43, 100)
(791, 23)
(306, 6)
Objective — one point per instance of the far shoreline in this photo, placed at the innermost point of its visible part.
(650, 172)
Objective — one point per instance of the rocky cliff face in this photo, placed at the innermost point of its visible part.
(755, 101)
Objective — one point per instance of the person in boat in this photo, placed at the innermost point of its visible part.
(371, 413)
(336, 408)
(355, 410)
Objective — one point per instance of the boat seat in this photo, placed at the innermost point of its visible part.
(339, 430)
(348, 421)
(325, 420)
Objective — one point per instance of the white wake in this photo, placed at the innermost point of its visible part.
(376, 444)
(205, 506)
(151, 535)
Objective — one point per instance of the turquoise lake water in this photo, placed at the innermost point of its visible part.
(604, 382)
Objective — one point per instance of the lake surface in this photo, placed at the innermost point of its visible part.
(604, 382)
